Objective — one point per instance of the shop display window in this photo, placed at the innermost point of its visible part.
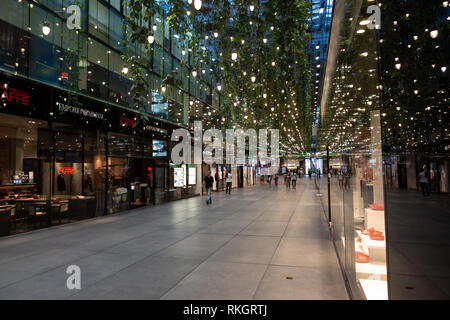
(24, 169)
(353, 136)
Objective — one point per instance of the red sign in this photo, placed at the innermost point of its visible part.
(65, 170)
(64, 76)
(149, 172)
(126, 122)
(15, 96)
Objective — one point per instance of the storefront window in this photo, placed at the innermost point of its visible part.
(24, 174)
(353, 136)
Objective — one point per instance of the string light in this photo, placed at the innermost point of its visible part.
(198, 4)
(46, 28)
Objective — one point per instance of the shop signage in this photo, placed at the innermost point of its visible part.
(127, 122)
(65, 170)
(192, 176)
(80, 111)
(178, 177)
(15, 96)
(155, 129)
(149, 172)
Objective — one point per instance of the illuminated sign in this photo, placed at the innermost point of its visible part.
(150, 128)
(178, 177)
(159, 148)
(65, 170)
(192, 176)
(64, 76)
(149, 172)
(87, 113)
(15, 96)
(127, 122)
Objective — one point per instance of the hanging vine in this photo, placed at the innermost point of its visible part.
(256, 51)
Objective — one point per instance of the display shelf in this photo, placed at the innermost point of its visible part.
(374, 219)
(369, 269)
(374, 289)
(366, 270)
(375, 249)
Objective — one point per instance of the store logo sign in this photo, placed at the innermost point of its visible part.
(213, 152)
(65, 170)
(127, 122)
(80, 111)
(11, 95)
(155, 129)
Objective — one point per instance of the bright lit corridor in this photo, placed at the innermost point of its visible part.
(263, 242)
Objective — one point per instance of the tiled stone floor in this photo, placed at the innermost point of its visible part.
(244, 246)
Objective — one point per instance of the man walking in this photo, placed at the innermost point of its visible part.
(288, 180)
(294, 180)
(208, 184)
(229, 181)
(423, 181)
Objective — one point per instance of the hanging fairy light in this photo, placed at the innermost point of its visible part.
(434, 34)
(125, 69)
(198, 4)
(194, 73)
(398, 66)
(252, 8)
(253, 78)
(46, 28)
(151, 38)
(234, 56)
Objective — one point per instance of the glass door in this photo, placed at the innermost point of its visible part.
(119, 188)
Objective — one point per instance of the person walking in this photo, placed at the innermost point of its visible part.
(423, 181)
(208, 185)
(276, 180)
(229, 181)
(294, 181)
(216, 176)
(287, 180)
(341, 180)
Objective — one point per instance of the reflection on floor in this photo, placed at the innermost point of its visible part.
(419, 245)
(261, 242)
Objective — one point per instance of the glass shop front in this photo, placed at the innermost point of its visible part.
(63, 159)
(385, 125)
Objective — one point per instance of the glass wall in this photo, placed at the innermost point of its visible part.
(414, 51)
(352, 131)
(90, 60)
(385, 120)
